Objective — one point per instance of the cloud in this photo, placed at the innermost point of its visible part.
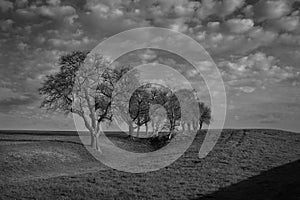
(289, 39)
(268, 9)
(22, 46)
(185, 8)
(247, 89)
(6, 25)
(102, 19)
(222, 42)
(254, 70)
(54, 2)
(103, 11)
(53, 10)
(10, 99)
(5, 5)
(287, 23)
(239, 25)
(147, 56)
(227, 7)
(219, 8)
(7, 93)
(179, 25)
(72, 44)
(192, 73)
(262, 36)
(213, 26)
(21, 3)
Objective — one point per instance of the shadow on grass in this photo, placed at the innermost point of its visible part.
(280, 183)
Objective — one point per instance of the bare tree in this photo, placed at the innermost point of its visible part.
(194, 113)
(126, 107)
(139, 107)
(205, 114)
(189, 109)
(168, 100)
(158, 117)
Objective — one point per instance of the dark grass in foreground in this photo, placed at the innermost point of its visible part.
(260, 164)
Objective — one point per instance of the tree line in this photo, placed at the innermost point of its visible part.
(86, 85)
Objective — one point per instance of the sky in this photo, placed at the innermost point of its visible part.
(255, 45)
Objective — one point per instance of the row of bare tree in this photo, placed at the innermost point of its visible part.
(88, 86)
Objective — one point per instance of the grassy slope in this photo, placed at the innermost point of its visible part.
(239, 167)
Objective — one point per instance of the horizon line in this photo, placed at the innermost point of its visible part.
(227, 128)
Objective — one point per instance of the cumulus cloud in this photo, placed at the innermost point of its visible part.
(21, 3)
(102, 10)
(147, 56)
(7, 93)
(5, 5)
(22, 46)
(219, 8)
(54, 2)
(6, 25)
(254, 70)
(52, 10)
(179, 25)
(229, 6)
(185, 8)
(239, 25)
(287, 23)
(269, 9)
(289, 39)
(11, 99)
(228, 42)
(247, 89)
(102, 19)
(71, 44)
(213, 26)
(262, 36)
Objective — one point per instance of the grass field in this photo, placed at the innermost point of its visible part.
(245, 164)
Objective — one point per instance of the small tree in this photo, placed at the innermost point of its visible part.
(139, 107)
(189, 109)
(158, 117)
(123, 93)
(167, 99)
(205, 114)
(193, 111)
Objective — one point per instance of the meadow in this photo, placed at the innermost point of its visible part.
(245, 164)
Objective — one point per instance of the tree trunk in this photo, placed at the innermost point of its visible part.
(170, 135)
(95, 142)
(172, 125)
(183, 126)
(189, 126)
(201, 123)
(195, 126)
(138, 131)
(92, 140)
(146, 125)
(130, 129)
(153, 128)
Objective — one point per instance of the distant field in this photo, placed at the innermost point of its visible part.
(38, 132)
(245, 164)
